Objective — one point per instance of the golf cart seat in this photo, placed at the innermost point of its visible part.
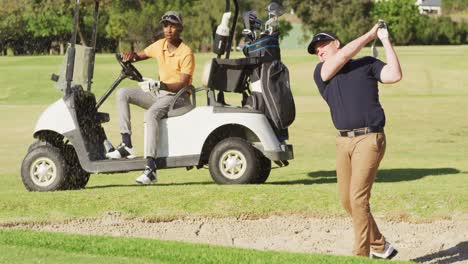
(227, 75)
(230, 75)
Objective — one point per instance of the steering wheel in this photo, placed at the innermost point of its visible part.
(128, 69)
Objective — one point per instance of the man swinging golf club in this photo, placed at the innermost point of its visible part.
(349, 86)
(176, 66)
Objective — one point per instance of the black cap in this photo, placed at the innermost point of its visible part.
(172, 16)
(321, 36)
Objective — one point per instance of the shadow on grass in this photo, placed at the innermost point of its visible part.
(383, 175)
(145, 186)
(458, 253)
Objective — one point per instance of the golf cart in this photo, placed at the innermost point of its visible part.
(237, 143)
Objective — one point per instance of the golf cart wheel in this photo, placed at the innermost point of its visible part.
(265, 169)
(44, 169)
(77, 177)
(234, 161)
(36, 144)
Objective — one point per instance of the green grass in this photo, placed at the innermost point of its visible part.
(38, 247)
(422, 177)
(425, 163)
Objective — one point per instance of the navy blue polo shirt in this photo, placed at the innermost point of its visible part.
(353, 94)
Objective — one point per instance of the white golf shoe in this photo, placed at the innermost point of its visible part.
(147, 177)
(122, 151)
(388, 253)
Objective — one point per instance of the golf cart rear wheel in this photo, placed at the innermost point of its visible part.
(44, 169)
(234, 161)
(265, 169)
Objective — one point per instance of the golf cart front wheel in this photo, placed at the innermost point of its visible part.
(44, 169)
(77, 177)
(234, 161)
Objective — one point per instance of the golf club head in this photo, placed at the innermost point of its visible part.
(382, 23)
(251, 21)
(256, 24)
(246, 19)
(271, 25)
(249, 37)
(246, 32)
(275, 9)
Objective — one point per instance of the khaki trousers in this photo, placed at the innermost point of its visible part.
(357, 161)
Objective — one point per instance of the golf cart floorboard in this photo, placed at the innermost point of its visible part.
(139, 163)
(118, 165)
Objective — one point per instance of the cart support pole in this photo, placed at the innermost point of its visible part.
(233, 29)
(71, 51)
(92, 55)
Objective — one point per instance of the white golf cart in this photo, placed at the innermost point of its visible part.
(237, 143)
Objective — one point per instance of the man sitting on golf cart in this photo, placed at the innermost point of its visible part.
(176, 66)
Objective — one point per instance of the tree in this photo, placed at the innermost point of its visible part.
(137, 22)
(51, 19)
(347, 18)
(449, 6)
(407, 26)
(11, 23)
(199, 29)
(403, 19)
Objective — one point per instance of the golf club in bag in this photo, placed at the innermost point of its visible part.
(271, 91)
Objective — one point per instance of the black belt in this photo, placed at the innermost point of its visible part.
(360, 131)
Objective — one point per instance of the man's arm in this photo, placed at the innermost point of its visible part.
(335, 63)
(391, 73)
(175, 87)
(134, 56)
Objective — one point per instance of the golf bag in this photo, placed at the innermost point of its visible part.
(271, 91)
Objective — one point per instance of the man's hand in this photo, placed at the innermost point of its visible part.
(382, 33)
(129, 56)
(373, 32)
(134, 56)
(150, 85)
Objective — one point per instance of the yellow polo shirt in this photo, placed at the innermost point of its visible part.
(172, 64)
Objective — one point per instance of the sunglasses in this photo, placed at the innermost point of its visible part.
(170, 17)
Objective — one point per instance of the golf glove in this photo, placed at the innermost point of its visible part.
(150, 85)
(382, 32)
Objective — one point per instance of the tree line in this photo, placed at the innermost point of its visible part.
(45, 26)
(351, 18)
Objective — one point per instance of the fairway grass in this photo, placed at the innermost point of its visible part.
(423, 175)
(42, 247)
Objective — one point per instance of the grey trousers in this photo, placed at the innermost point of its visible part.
(157, 108)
